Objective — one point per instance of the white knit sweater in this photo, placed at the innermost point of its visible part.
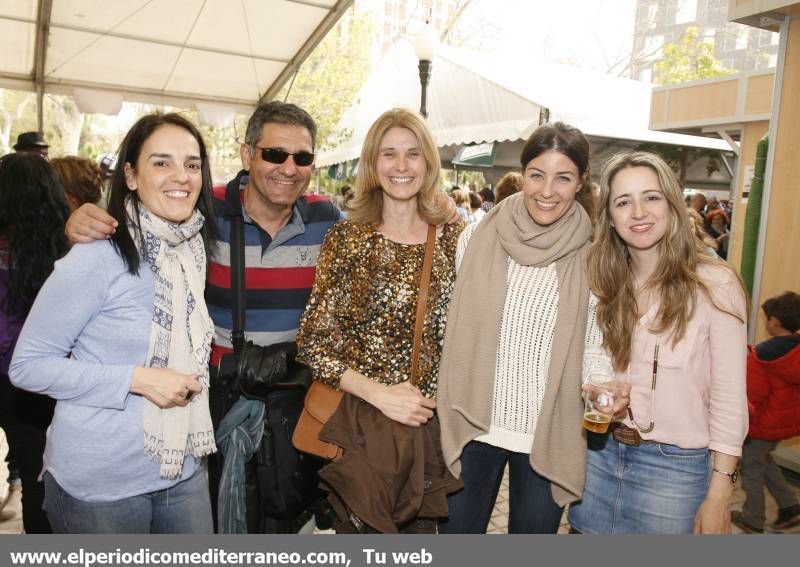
(523, 351)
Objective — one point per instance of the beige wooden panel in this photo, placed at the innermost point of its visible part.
(703, 102)
(782, 246)
(742, 8)
(759, 94)
(658, 103)
(751, 134)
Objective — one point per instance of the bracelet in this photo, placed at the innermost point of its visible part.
(731, 475)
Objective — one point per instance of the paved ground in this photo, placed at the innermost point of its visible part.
(11, 519)
(499, 522)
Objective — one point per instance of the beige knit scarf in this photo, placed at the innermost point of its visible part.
(180, 335)
(467, 370)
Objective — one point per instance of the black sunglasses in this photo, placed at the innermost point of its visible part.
(276, 156)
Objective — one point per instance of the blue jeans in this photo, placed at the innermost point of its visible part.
(654, 488)
(532, 509)
(184, 508)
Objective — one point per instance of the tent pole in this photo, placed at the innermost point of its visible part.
(334, 13)
(40, 56)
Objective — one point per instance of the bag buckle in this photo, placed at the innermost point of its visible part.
(357, 522)
(234, 335)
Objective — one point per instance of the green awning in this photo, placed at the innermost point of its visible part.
(340, 171)
(477, 155)
(337, 171)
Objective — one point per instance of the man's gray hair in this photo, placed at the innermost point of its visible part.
(277, 112)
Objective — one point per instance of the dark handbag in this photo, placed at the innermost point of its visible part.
(282, 482)
(287, 479)
(322, 401)
(254, 371)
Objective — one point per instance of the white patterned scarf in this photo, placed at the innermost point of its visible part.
(180, 336)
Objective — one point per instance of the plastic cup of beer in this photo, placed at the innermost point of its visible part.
(599, 396)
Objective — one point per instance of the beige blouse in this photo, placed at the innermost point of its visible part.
(700, 398)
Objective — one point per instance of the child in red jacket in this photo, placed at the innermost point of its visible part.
(773, 394)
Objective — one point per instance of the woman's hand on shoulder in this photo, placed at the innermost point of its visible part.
(444, 202)
(403, 403)
(165, 387)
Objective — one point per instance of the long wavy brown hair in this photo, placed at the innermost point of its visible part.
(675, 280)
(367, 204)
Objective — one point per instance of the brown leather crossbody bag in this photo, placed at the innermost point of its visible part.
(322, 401)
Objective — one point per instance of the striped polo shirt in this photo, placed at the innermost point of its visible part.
(279, 273)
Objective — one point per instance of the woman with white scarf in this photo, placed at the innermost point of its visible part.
(120, 336)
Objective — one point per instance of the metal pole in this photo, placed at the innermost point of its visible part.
(765, 196)
(40, 57)
(424, 78)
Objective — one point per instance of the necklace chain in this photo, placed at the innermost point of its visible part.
(652, 425)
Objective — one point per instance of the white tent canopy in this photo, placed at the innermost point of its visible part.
(475, 97)
(463, 107)
(170, 52)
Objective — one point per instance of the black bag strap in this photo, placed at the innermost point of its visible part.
(237, 282)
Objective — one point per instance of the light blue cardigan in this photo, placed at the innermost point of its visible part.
(87, 330)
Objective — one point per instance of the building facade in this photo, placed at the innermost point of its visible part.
(737, 47)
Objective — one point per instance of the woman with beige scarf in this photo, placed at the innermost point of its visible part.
(120, 336)
(521, 336)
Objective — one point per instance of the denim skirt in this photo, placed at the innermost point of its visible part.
(654, 488)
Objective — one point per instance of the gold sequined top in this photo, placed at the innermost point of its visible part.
(363, 305)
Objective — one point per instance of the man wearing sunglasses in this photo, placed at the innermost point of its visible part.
(284, 227)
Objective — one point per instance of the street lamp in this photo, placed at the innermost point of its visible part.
(425, 45)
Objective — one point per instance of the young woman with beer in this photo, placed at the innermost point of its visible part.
(673, 321)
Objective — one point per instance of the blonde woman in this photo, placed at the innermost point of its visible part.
(357, 330)
(696, 224)
(673, 321)
(461, 199)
